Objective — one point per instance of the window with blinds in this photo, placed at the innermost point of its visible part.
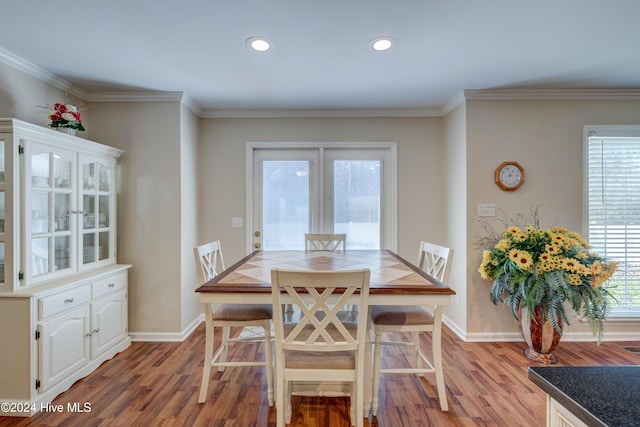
(613, 209)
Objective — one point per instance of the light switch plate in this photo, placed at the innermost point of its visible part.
(487, 210)
(236, 222)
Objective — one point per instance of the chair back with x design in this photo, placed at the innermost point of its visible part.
(322, 346)
(325, 242)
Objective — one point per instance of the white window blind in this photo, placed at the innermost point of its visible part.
(613, 210)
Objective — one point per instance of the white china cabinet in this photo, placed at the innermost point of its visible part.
(63, 297)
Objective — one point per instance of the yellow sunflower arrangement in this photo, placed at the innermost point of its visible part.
(544, 268)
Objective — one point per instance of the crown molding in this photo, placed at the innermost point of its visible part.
(45, 76)
(145, 96)
(188, 102)
(40, 73)
(550, 94)
(458, 99)
(334, 113)
(134, 96)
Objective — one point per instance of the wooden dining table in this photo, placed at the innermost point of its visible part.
(394, 281)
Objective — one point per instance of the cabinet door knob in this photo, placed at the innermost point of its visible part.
(68, 300)
(256, 245)
(111, 285)
(95, 331)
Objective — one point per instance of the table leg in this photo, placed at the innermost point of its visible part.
(436, 345)
(368, 368)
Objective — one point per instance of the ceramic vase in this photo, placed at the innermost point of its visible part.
(541, 337)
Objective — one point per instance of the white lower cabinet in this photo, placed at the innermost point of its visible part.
(75, 327)
(63, 346)
(559, 416)
(108, 322)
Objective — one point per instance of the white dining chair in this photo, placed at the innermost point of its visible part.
(336, 242)
(209, 263)
(325, 242)
(321, 346)
(434, 260)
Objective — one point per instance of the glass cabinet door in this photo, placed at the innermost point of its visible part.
(49, 214)
(96, 179)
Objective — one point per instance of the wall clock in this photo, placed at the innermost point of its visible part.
(509, 176)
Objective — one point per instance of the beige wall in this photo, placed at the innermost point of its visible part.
(222, 171)
(545, 137)
(454, 206)
(182, 179)
(189, 188)
(149, 207)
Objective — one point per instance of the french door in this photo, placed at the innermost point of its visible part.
(322, 189)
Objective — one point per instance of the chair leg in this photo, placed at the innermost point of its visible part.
(268, 361)
(352, 408)
(288, 411)
(416, 351)
(208, 355)
(225, 346)
(280, 404)
(359, 406)
(376, 373)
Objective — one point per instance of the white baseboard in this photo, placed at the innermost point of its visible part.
(481, 336)
(517, 337)
(167, 336)
(455, 328)
(461, 333)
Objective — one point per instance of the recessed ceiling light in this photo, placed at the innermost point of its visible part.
(382, 43)
(259, 43)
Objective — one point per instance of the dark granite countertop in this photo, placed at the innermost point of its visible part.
(598, 395)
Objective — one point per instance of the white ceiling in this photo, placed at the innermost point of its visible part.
(321, 57)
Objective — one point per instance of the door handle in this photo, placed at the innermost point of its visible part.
(256, 245)
(256, 233)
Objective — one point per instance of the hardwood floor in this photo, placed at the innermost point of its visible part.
(157, 384)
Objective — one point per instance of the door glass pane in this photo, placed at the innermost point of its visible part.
(61, 172)
(40, 170)
(356, 206)
(62, 252)
(103, 178)
(89, 176)
(39, 211)
(103, 248)
(39, 256)
(285, 207)
(103, 211)
(61, 210)
(88, 248)
(89, 209)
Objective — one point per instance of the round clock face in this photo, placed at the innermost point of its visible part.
(509, 176)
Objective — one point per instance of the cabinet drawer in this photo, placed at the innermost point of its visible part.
(108, 284)
(62, 301)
